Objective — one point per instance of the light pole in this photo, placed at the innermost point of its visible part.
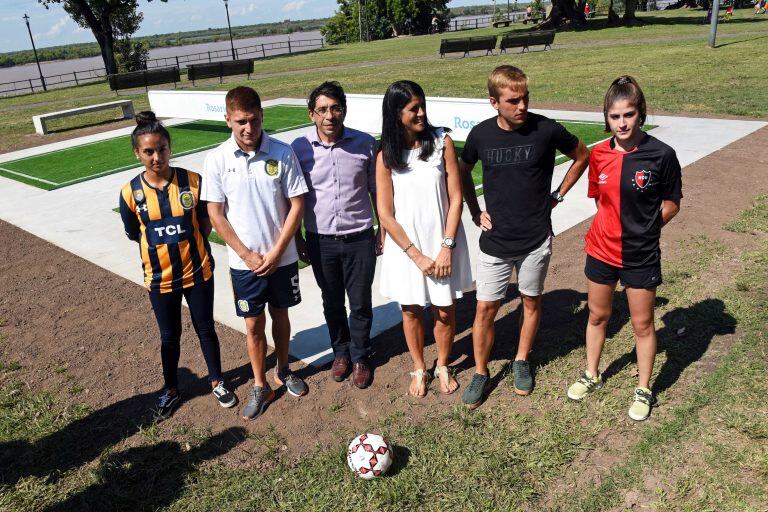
(713, 23)
(360, 19)
(39, 70)
(229, 26)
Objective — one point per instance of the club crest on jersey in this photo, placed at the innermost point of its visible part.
(642, 178)
(138, 195)
(187, 199)
(271, 168)
(242, 305)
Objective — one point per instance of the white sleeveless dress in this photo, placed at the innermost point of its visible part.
(421, 207)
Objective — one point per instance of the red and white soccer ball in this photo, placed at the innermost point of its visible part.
(369, 456)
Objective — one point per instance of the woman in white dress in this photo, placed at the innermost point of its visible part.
(425, 260)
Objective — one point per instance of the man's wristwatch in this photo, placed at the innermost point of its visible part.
(557, 196)
(448, 242)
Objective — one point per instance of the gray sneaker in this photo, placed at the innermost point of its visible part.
(473, 395)
(523, 378)
(257, 404)
(293, 384)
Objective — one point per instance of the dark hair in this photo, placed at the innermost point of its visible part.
(242, 98)
(625, 88)
(393, 142)
(146, 122)
(329, 89)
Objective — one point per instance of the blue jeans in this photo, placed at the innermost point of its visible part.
(346, 265)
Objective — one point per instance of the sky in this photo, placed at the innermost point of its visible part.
(52, 27)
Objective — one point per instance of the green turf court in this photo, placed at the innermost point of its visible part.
(80, 163)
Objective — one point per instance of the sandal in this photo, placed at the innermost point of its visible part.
(446, 377)
(422, 377)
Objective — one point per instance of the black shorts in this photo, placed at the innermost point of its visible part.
(253, 293)
(648, 277)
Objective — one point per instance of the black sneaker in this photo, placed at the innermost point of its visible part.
(474, 393)
(225, 397)
(166, 404)
(523, 378)
(291, 381)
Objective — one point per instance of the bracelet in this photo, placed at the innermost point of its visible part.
(408, 247)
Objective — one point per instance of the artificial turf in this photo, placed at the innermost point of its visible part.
(80, 163)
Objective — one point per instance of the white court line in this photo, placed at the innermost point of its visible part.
(27, 176)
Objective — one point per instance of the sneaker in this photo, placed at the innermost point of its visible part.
(641, 406)
(523, 379)
(257, 404)
(166, 404)
(473, 395)
(585, 385)
(291, 381)
(225, 397)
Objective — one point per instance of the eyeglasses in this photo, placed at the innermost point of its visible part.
(335, 110)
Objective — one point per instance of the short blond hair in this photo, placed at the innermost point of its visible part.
(504, 77)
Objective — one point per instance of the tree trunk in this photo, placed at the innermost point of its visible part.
(564, 11)
(630, 20)
(613, 18)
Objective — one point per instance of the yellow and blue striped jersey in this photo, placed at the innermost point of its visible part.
(175, 254)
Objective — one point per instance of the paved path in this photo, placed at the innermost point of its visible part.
(79, 218)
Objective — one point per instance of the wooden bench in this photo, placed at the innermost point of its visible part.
(525, 40)
(531, 20)
(41, 121)
(502, 23)
(467, 44)
(144, 78)
(220, 69)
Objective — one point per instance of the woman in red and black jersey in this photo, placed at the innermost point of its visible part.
(162, 211)
(636, 182)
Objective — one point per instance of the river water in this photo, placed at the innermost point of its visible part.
(57, 67)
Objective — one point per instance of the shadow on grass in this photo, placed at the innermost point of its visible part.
(701, 323)
(747, 40)
(148, 477)
(83, 440)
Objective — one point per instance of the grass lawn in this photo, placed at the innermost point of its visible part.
(704, 449)
(73, 165)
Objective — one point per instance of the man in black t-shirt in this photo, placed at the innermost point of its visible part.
(517, 150)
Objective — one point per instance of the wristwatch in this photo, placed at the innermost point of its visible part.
(557, 196)
(449, 243)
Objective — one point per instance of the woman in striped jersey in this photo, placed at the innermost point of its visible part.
(162, 211)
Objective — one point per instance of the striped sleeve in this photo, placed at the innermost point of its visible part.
(127, 214)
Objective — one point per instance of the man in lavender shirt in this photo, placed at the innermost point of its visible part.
(339, 166)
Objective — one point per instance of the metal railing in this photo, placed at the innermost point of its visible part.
(455, 25)
(75, 78)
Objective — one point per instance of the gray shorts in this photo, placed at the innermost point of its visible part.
(493, 274)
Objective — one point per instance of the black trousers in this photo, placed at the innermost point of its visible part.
(346, 265)
(167, 308)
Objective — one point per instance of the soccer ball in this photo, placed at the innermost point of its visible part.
(369, 456)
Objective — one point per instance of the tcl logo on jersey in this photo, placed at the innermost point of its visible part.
(171, 230)
(642, 179)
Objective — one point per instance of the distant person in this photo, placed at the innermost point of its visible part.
(529, 12)
(162, 211)
(434, 26)
(587, 11)
(517, 150)
(255, 192)
(426, 260)
(636, 182)
(339, 165)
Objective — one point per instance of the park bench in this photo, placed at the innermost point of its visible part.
(502, 23)
(531, 20)
(525, 40)
(467, 44)
(41, 121)
(144, 78)
(220, 69)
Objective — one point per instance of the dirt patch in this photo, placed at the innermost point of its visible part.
(88, 335)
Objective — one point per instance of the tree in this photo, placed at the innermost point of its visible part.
(381, 19)
(130, 55)
(108, 20)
